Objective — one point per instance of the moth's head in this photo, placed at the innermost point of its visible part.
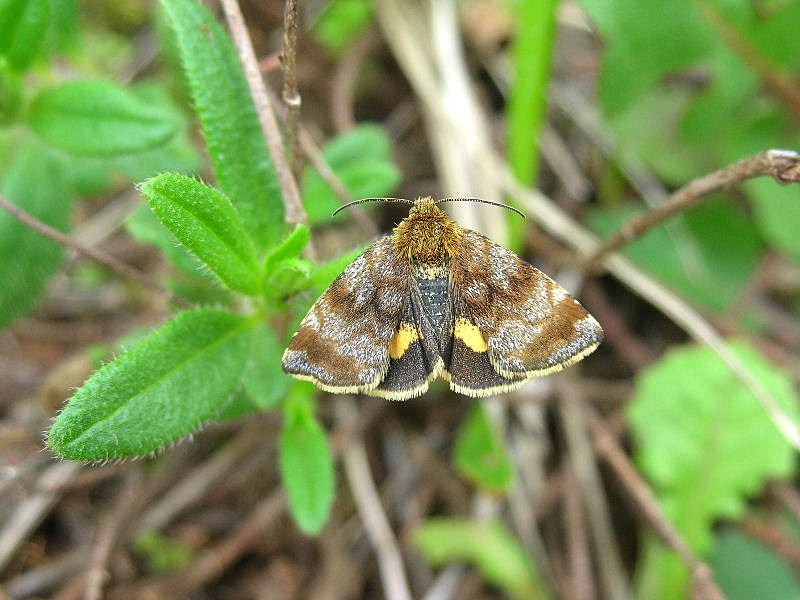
(427, 234)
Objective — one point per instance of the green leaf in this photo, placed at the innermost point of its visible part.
(324, 274)
(777, 213)
(706, 445)
(306, 463)
(263, 379)
(22, 30)
(709, 255)
(691, 125)
(159, 391)
(241, 161)
(745, 569)
(36, 183)
(489, 546)
(342, 21)
(205, 221)
(163, 554)
(362, 160)
(480, 454)
(145, 227)
(99, 118)
(631, 27)
(527, 104)
(290, 248)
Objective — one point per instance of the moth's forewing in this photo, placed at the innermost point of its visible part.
(342, 344)
(531, 325)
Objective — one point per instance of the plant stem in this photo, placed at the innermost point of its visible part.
(291, 95)
(295, 213)
(63, 239)
(783, 165)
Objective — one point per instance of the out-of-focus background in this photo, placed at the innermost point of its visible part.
(660, 467)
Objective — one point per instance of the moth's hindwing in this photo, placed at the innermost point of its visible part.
(342, 344)
(413, 359)
(530, 324)
(471, 371)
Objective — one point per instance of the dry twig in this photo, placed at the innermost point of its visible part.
(783, 165)
(291, 95)
(295, 213)
(108, 533)
(63, 239)
(607, 448)
(356, 464)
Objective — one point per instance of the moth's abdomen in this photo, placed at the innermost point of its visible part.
(434, 293)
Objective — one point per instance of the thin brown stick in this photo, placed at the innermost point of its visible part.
(291, 95)
(581, 579)
(584, 466)
(30, 512)
(368, 502)
(609, 450)
(345, 78)
(781, 81)
(201, 478)
(108, 533)
(215, 561)
(63, 239)
(295, 213)
(783, 165)
(317, 160)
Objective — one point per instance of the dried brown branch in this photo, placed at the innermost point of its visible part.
(368, 502)
(108, 533)
(291, 94)
(705, 588)
(65, 240)
(345, 77)
(199, 480)
(29, 513)
(584, 466)
(295, 213)
(783, 165)
(216, 560)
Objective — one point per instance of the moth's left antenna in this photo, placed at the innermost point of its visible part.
(343, 206)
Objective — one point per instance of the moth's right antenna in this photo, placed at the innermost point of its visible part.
(354, 202)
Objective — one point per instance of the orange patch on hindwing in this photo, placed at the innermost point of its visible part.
(406, 335)
(470, 335)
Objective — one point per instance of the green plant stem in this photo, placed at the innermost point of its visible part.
(532, 54)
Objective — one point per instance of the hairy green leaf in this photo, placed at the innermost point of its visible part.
(706, 444)
(263, 379)
(22, 30)
(306, 463)
(489, 546)
(36, 183)
(362, 159)
(480, 454)
(99, 118)
(241, 161)
(290, 248)
(157, 392)
(205, 221)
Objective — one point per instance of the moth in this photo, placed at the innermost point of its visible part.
(433, 299)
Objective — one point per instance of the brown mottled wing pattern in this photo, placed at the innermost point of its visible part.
(342, 344)
(532, 326)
